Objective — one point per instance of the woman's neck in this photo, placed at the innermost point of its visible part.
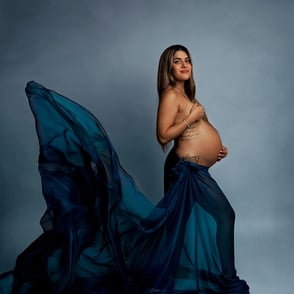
(180, 87)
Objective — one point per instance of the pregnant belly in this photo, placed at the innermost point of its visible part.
(201, 146)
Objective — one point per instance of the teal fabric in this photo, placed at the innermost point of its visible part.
(102, 235)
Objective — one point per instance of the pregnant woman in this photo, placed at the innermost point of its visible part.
(183, 119)
(101, 234)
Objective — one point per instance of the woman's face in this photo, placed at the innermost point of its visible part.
(181, 66)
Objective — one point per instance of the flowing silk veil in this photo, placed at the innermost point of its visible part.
(101, 234)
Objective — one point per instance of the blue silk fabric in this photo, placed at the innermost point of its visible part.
(101, 234)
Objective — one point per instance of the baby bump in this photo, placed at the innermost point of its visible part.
(201, 145)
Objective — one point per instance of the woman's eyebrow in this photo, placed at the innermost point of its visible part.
(187, 57)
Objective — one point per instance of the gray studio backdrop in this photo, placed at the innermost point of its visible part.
(104, 55)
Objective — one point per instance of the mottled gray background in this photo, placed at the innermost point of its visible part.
(104, 55)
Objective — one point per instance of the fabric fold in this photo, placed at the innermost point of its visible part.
(101, 234)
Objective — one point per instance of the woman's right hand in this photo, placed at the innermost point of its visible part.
(196, 113)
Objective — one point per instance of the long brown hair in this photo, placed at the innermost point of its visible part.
(165, 77)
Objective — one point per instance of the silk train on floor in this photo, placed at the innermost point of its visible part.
(101, 234)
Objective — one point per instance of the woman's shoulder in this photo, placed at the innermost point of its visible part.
(169, 94)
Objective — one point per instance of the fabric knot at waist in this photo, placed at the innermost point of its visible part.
(190, 164)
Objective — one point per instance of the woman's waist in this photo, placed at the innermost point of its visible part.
(200, 146)
(204, 154)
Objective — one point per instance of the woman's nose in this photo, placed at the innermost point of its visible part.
(183, 63)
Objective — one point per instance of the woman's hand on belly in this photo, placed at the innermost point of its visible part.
(222, 153)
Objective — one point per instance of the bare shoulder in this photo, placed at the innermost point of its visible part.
(170, 96)
(169, 104)
(169, 93)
